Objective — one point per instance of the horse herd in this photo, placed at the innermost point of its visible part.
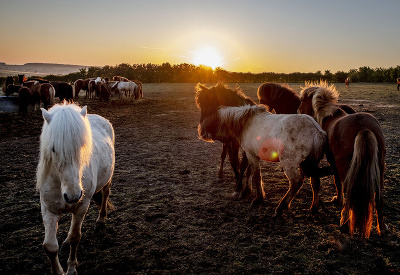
(34, 91)
(77, 155)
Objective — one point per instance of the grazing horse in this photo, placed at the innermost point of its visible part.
(208, 100)
(356, 152)
(91, 89)
(126, 87)
(293, 140)
(76, 163)
(64, 91)
(25, 99)
(120, 78)
(47, 94)
(9, 81)
(284, 100)
(81, 84)
(104, 92)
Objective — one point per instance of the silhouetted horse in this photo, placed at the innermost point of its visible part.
(64, 91)
(9, 81)
(284, 100)
(356, 152)
(347, 82)
(25, 99)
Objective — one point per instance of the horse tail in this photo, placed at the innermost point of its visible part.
(319, 145)
(362, 183)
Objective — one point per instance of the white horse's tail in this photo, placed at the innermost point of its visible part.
(319, 145)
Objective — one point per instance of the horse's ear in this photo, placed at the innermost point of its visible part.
(84, 111)
(46, 115)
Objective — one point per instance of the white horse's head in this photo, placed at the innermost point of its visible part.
(65, 148)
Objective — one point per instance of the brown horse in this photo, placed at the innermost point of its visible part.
(120, 78)
(81, 84)
(25, 99)
(104, 92)
(356, 152)
(47, 94)
(284, 100)
(9, 80)
(64, 91)
(209, 100)
(347, 82)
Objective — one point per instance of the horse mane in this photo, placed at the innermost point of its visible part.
(222, 95)
(67, 138)
(324, 99)
(233, 120)
(277, 92)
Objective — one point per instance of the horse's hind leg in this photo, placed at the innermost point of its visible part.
(295, 182)
(105, 193)
(233, 152)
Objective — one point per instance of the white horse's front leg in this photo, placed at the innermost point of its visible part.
(74, 237)
(50, 244)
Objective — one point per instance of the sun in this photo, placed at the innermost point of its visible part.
(207, 56)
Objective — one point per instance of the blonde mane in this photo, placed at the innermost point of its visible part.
(324, 98)
(66, 139)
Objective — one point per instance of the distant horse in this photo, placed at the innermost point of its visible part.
(293, 140)
(21, 79)
(104, 92)
(25, 98)
(47, 94)
(76, 163)
(347, 82)
(208, 100)
(284, 100)
(120, 78)
(81, 84)
(398, 83)
(91, 89)
(11, 89)
(356, 152)
(64, 91)
(9, 80)
(128, 88)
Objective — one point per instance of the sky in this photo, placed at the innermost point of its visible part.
(281, 36)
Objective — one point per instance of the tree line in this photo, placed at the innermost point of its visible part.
(189, 73)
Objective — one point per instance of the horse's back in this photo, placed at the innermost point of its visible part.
(344, 131)
(101, 127)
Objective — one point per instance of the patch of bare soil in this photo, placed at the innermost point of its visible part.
(172, 213)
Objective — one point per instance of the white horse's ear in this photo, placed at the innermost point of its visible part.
(84, 111)
(46, 115)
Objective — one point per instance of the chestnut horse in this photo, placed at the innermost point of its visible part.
(356, 152)
(208, 100)
(292, 140)
(284, 100)
(81, 84)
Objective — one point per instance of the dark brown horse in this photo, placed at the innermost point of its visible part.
(81, 84)
(104, 92)
(47, 94)
(64, 91)
(25, 99)
(209, 100)
(283, 99)
(9, 81)
(356, 152)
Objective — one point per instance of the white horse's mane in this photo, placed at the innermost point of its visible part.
(67, 138)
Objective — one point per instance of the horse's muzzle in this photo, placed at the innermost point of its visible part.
(72, 200)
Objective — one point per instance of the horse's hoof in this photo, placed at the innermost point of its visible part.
(244, 194)
(257, 202)
(344, 228)
(277, 215)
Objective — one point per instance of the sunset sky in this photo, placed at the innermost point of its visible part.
(243, 36)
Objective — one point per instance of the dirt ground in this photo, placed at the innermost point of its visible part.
(172, 213)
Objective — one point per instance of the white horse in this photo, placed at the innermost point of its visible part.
(293, 140)
(129, 88)
(76, 162)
